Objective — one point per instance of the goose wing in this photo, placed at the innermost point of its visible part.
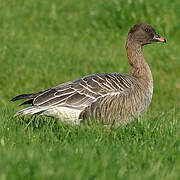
(82, 92)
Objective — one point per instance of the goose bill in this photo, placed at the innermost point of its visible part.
(158, 38)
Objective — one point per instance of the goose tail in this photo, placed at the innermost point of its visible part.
(26, 96)
(30, 111)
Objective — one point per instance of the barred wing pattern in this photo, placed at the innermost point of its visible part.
(81, 93)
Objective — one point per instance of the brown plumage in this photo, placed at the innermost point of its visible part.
(109, 97)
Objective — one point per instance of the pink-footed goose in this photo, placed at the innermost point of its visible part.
(112, 98)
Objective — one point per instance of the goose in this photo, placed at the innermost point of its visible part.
(110, 98)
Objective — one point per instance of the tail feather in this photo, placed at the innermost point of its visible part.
(27, 96)
(22, 96)
(30, 101)
(31, 111)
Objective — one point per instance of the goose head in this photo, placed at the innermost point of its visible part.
(143, 34)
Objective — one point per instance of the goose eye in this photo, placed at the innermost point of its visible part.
(147, 30)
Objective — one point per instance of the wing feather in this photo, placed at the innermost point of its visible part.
(84, 91)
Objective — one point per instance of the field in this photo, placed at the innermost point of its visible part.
(45, 43)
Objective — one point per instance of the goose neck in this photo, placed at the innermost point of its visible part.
(139, 67)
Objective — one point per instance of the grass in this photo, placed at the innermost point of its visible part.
(44, 43)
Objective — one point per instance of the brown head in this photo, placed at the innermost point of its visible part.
(143, 34)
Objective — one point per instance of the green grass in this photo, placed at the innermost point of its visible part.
(44, 43)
